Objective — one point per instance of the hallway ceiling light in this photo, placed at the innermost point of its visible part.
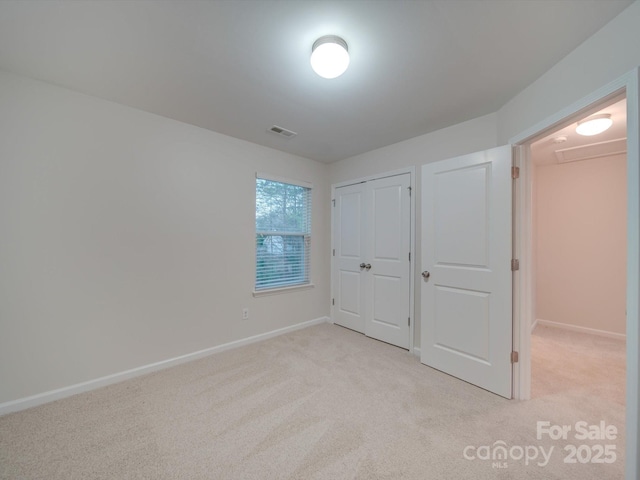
(594, 125)
(329, 56)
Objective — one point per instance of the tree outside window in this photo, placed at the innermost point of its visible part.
(283, 234)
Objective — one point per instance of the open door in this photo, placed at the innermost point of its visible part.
(466, 261)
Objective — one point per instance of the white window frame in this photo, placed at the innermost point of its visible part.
(307, 240)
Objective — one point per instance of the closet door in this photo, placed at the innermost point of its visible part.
(348, 231)
(388, 247)
(372, 265)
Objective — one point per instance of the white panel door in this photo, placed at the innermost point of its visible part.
(389, 229)
(348, 278)
(372, 269)
(466, 328)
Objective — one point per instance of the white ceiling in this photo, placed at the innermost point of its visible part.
(239, 67)
(543, 151)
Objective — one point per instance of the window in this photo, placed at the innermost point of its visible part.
(283, 233)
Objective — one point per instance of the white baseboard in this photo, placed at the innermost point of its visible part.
(576, 328)
(534, 325)
(417, 352)
(50, 396)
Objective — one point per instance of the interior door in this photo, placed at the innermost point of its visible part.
(372, 269)
(466, 261)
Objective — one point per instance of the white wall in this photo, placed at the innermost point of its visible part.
(605, 56)
(581, 241)
(467, 137)
(128, 238)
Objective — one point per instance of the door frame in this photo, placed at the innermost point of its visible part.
(629, 85)
(412, 235)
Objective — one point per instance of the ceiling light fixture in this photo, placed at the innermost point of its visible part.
(594, 125)
(329, 56)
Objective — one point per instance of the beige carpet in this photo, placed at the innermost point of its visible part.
(319, 403)
(566, 362)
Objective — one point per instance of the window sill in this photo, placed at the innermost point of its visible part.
(279, 290)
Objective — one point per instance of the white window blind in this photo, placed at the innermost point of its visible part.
(283, 233)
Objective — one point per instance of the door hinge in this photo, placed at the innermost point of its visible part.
(333, 301)
(409, 321)
(409, 190)
(334, 202)
(514, 357)
(334, 252)
(409, 256)
(515, 264)
(515, 172)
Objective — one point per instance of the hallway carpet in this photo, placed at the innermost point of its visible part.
(567, 362)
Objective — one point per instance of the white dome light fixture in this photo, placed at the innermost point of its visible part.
(594, 125)
(329, 56)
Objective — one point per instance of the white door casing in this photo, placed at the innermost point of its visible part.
(372, 271)
(466, 248)
(629, 84)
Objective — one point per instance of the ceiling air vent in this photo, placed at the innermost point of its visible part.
(593, 150)
(283, 132)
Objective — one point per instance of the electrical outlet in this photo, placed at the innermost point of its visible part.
(245, 314)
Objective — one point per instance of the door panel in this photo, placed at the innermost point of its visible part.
(349, 296)
(350, 204)
(387, 293)
(466, 248)
(462, 194)
(348, 231)
(459, 310)
(387, 222)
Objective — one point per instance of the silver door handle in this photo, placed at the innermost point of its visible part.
(426, 275)
(362, 265)
(368, 266)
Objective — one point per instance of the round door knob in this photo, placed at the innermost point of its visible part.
(362, 265)
(368, 266)
(426, 275)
